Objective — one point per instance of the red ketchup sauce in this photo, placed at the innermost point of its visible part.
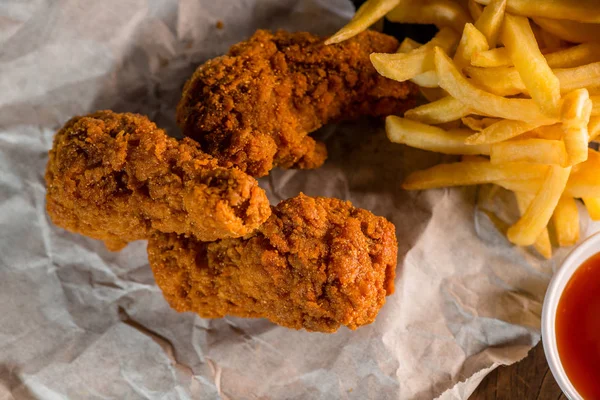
(578, 328)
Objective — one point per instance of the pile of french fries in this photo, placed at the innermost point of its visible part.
(514, 87)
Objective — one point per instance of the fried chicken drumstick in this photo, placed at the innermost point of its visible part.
(118, 178)
(255, 106)
(317, 263)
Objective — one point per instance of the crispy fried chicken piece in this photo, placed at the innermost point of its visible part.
(255, 106)
(118, 178)
(317, 263)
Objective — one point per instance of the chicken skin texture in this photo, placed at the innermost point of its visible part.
(317, 263)
(254, 107)
(118, 178)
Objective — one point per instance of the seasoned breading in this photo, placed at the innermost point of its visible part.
(255, 106)
(117, 178)
(317, 263)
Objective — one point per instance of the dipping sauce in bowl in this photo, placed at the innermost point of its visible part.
(578, 328)
(571, 322)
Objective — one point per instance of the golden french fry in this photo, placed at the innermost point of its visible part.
(369, 13)
(575, 115)
(452, 81)
(539, 151)
(571, 31)
(550, 41)
(595, 105)
(444, 110)
(472, 41)
(575, 56)
(498, 57)
(470, 158)
(408, 44)
(474, 9)
(542, 243)
(405, 66)
(593, 128)
(566, 221)
(431, 138)
(490, 21)
(531, 186)
(442, 13)
(576, 10)
(501, 130)
(531, 224)
(506, 81)
(579, 77)
(549, 132)
(585, 179)
(478, 124)
(433, 94)
(593, 207)
(472, 173)
(540, 81)
(570, 57)
(501, 81)
(427, 79)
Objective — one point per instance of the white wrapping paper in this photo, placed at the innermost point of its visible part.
(80, 322)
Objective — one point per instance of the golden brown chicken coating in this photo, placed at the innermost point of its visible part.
(117, 178)
(255, 106)
(317, 263)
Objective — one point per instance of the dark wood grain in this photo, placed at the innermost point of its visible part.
(528, 379)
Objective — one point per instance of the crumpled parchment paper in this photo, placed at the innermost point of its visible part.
(80, 322)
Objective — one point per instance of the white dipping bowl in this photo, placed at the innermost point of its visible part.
(574, 260)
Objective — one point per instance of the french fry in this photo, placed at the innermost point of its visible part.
(433, 94)
(404, 66)
(490, 21)
(578, 77)
(474, 9)
(452, 81)
(426, 79)
(498, 57)
(595, 105)
(502, 130)
(593, 207)
(478, 124)
(472, 173)
(437, 112)
(550, 41)
(593, 128)
(407, 45)
(549, 132)
(472, 41)
(431, 138)
(575, 56)
(542, 243)
(539, 151)
(542, 84)
(571, 31)
(442, 13)
(506, 81)
(576, 10)
(585, 179)
(531, 186)
(531, 224)
(566, 221)
(575, 115)
(369, 13)
(570, 57)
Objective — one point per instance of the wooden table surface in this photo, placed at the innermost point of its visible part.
(528, 379)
